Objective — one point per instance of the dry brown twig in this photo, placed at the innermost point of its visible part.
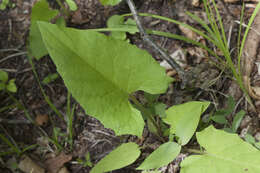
(184, 76)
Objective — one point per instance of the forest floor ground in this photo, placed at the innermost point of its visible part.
(89, 134)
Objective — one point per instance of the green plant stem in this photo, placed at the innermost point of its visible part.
(20, 105)
(194, 151)
(148, 114)
(42, 91)
(11, 144)
(64, 10)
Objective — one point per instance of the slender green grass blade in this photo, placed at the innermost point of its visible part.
(12, 146)
(201, 22)
(175, 22)
(46, 98)
(221, 24)
(247, 30)
(239, 37)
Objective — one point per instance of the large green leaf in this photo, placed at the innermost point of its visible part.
(109, 2)
(225, 153)
(40, 12)
(184, 119)
(101, 72)
(161, 156)
(122, 156)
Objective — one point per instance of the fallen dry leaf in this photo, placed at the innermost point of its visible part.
(42, 119)
(63, 170)
(54, 164)
(188, 33)
(27, 165)
(196, 3)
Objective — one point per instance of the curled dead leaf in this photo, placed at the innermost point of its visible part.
(196, 3)
(42, 119)
(188, 33)
(56, 163)
(27, 165)
(63, 170)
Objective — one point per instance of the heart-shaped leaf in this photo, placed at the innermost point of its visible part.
(122, 156)
(184, 119)
(161, 156)
(40, 12)
(225, 153)
(101, 72)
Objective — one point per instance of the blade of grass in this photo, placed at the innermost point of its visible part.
(6, 153)
(221, 24)
(239, 34)
(214, 26)
(175, 22)
(246, 32)
(21, 106)
(7, 107)
(166, 34)
(12, 146)
(201, 22)
(29, 147)
(52, 106)
(242, 47)
(70, 115)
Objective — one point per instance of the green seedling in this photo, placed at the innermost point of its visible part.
(86, 161)
(117, 21)
(59, 138)
(6, 3)
(220, 117)
(50, 78)
(6, 85)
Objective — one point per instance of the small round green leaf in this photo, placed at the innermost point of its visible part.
(162, 156)
(51, 77)
(11, 86)
(184, 119)
(122, 156)
(3, 76)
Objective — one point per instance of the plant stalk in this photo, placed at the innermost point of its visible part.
(147, 39)
(148, 114)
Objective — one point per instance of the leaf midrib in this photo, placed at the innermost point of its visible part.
(85, 62)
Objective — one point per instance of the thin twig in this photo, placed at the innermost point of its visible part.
(7, 121)
(13, 55)
(147, 39)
